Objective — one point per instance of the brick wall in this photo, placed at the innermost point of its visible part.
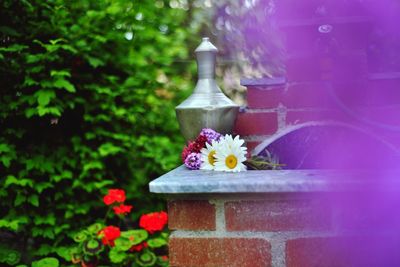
(273, 104)
(329, 76)
(293, 230)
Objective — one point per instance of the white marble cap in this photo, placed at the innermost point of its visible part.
(182, 180)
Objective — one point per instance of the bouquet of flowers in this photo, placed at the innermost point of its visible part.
(214, 151)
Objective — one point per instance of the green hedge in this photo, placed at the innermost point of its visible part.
(87, 103)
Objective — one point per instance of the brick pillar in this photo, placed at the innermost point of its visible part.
(258, 218)
(243, 230)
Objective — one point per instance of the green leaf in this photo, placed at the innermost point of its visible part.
(32, 58)
(49, 219)
(34, 200)
(95, 62)
(30, 82)
(49, 233)
(46, 262)
(95, 228)
(93, 165)
(60, 73)
(44, 250)
(123, 244)
(117, 256)
(4, 148)
(48, 110)
(56, 41)
(64, 84)
(13, 257)
(81, 236)
(44, 97)
(29, 112)
(6, 161)
(9, 256)
(65, 252)
(14, 48)
(65, 175)
(147, 258)
(42, 186)
(9, 31)
(19, 199)
(93, 246)
(12, 225)
(12, 180)
(135, 236)
(109, 149)
(103, 184)
(156, 242)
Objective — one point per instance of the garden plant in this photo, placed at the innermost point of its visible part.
(87, 103)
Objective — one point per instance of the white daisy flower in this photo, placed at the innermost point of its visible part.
(230, 155)
(230, 142)
(208, 156)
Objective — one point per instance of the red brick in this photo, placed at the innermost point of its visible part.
(312, 67)
(324, 94)
(277, 215)
(379, 117)
(374, 249)
(303, 36)
(251, 145)
(321, 252)
(256, 123)
(191, 215)
(219, 252)
(384, 89)
(297, 117)
(269, 97)
(308, 94)
(387, 117)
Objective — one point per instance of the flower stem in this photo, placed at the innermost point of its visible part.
(105, 217)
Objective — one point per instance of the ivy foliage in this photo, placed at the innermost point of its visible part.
(87, 103)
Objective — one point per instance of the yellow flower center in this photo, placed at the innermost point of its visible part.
(231, 161)
(211, 158)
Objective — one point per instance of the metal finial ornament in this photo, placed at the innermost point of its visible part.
(207, 107)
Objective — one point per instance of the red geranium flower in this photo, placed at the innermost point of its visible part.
(139, 247)
(114, 195)
(122, 209)
(154, 221)
(109, 234)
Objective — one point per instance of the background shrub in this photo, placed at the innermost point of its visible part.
(87, 103)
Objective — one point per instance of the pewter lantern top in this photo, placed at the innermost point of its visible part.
(206, 46)
(207, 106)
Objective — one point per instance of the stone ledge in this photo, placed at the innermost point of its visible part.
(182, 180)
(262, 81)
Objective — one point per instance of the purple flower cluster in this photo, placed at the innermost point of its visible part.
(210, 134)
(193, 161)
